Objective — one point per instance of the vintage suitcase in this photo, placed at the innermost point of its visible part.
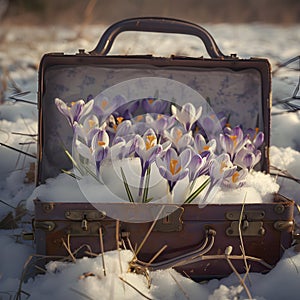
(199, 241)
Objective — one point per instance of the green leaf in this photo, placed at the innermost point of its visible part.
(74, 162)
(191, 197)
(71, 174)
(146, 188)
(129, 195)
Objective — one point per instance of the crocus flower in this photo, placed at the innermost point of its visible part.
(99, 147)
(247, 157)
(156, 106)
(201, 146)
(179, 138)
(220, 168)
(87, 130)
(121, 148)
(127, 110)
(255, 136)
(146, 149)
(159, 123)
(198, 166)
(236, 180)
(76, 111)
(232, 140)
(187, 115)
(211, 125)
(174, 167)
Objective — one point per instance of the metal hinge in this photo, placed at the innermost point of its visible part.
(170, 223)
(251, 223)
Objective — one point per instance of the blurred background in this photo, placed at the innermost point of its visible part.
(63, 12)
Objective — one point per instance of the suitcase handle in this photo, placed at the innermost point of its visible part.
(156, 24)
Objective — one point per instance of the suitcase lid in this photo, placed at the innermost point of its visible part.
(240, 88)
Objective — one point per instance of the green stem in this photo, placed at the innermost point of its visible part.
(146, 188)
(129, 195)
(191, 197)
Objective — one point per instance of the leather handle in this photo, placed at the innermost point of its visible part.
(155, 24)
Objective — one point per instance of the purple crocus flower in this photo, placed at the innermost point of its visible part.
(198, 166)
(236, 180)
(211, 125)
(99, 147)
(127, 110)
(159, 123)
(255, 136)
(146, 149)
(156, 106)
(220, 169)
(232, 140)
(201, 146)
(105, 106)
(247, 157)
(174, 167)
(121, 148)
(87, 130)
(187, 115)
(180, 140)
(76, 111)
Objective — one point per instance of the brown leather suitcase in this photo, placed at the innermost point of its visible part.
(197, 241)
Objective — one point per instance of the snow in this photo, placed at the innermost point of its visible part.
(67, 280)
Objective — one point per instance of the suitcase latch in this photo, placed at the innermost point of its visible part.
(170, 223)
(85, 221)
(88, 215)
(251, 223)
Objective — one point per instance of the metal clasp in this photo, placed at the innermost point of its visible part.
(170, 223)
(251, 223)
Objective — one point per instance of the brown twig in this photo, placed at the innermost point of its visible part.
(180, 286)
(148, 232)
(156, 255)
(67, 247)
(102, 250)
(242, 282)
(132, 286)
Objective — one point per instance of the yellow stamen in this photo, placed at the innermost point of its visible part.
(139, 118)
(173, 164)
(256, 132)
(92, 123)
(233, 138)
(119, 120)
(227, 125)
(150, 101)
(104, 103)
(206, 148)
(159, 116)
(150, 141)
(235, 176)
(115, 126)
(223, 166)
(73, 103)
(178, 135)
(101, 143)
